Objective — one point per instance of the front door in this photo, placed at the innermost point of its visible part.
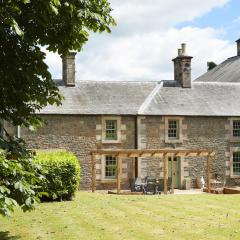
(176, 164)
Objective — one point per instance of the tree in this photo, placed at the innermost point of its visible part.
(26, 85)
(19, 179)
(211, 65)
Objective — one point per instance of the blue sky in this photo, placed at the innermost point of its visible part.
(226, 18)
(148, 34)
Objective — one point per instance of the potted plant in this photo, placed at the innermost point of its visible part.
(187, 183)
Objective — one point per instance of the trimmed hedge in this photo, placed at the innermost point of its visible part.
(61, 172)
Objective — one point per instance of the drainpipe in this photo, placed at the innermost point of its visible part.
(136, 145)
(1, 128)
(18, 131)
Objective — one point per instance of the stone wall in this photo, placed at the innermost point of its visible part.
(197, 133)
(80, 135)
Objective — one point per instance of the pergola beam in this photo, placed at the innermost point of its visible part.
(180, 154)
(154, 152)
(122, 155)
(160, 155)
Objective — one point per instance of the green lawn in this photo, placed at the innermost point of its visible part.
(101, 216)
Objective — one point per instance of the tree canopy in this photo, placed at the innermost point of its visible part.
(211, 65)
(26, 84)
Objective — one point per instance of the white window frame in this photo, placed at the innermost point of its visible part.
(232, 138)
(103, 173)
(179, 139)
(174, 127)
(233, 150)
(111, 118)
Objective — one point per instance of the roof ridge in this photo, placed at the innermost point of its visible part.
(119, 81)
(149, 98)
(216, 83)
(226, 71)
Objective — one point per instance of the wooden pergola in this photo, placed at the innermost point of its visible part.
(160, 153)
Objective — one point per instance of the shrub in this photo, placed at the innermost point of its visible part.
(62, 174)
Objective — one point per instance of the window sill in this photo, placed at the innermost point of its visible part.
(234, 139)
(173, 141)
(111, 141)
(106, 180)
(235, 176)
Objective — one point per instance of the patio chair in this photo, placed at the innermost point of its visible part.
(218, 181)
(150, 187)
(159, 186)
(169, 184)
(136, 185)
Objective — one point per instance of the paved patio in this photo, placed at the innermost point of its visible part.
(191, 191)
(176, 191)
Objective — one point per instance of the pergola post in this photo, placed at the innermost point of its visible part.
(93, 172)
(172, 173)
(209, 173)
(119, 164)
(165, 173)
(133, 168)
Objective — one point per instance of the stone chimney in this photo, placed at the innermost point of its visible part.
(182, 67)
(68, 69)
(238, 47)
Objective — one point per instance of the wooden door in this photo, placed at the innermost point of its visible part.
(176, 164)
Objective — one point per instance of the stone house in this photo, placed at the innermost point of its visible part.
(178, 113)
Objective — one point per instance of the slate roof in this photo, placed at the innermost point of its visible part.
(228, 71)
(101, 97)
(203, 99)
(149, 98)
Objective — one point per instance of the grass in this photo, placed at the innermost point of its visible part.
(100, 216)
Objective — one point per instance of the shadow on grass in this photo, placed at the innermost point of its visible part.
(7, 236)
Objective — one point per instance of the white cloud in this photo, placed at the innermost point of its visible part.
(54, 63)
(142, 15)
(236, 20)
(145, 41)
(149, 55)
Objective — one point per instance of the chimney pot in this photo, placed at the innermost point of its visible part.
(184, 49)
(68, 69)
(179, 52)
(238, 47)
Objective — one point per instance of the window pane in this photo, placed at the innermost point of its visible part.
(110, 167)
(173, 129)
(111, 129)
(236, 128)
(236, 163)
